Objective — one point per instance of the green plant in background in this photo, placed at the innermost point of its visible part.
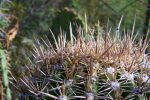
(5, 92)
(112, 9)
(62, 21)
(3, 23)
(97, 68)
(4, 70)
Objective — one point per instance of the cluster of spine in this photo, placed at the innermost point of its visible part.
(97, 68)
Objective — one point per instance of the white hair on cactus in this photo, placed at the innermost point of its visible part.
(90, 96)
(114, 85)
(145, 62)
(63, 97)
(128, 76)
(110, 70)
(145, 78)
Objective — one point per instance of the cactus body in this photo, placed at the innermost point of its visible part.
(100, 68)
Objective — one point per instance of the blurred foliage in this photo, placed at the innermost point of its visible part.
(103, 10)
(5, 78)
(64, 18)
(3, 23)
(35, 18)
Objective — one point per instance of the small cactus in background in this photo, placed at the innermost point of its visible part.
(100, 68)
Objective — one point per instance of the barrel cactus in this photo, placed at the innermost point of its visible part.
(101, 67)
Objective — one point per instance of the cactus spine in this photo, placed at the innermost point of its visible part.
(102, 67)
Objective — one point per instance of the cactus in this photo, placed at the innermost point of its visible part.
(97, 68)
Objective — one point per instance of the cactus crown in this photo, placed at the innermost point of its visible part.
(87, 67)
